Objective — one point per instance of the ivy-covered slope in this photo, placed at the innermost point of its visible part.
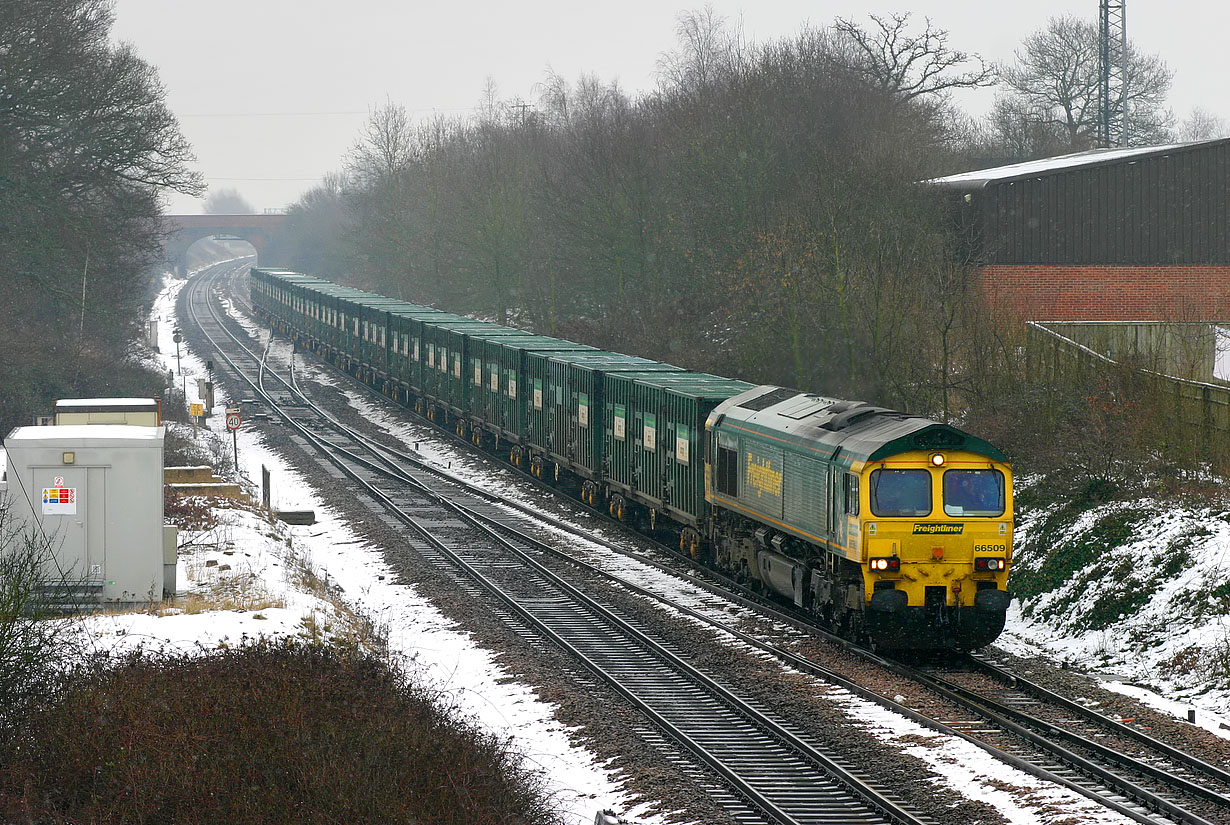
(1139, 588)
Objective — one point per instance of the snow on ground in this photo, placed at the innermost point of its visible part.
(1022, 799)
(1167, 650)
(433, 649)
(270, 560)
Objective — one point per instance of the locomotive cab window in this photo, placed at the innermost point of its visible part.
(976, 493)
(901, 493)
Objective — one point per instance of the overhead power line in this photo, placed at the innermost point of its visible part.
(322, 114)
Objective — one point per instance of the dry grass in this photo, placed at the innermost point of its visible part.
(342, 625)
(242, 592)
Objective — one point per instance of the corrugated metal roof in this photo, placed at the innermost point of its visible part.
(1061, 163)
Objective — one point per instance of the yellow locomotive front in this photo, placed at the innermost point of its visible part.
(936, 535)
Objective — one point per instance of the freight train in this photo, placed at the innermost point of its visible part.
(890, 528)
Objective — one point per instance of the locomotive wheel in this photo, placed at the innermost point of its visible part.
(589, 493)
(536, 466)
(461, 428)
(618, 507)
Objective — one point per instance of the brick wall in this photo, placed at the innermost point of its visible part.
(1036, 292)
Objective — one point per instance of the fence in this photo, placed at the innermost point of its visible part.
(1193, 416)
(1182, 350)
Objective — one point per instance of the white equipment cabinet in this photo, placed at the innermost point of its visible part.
(97, 492)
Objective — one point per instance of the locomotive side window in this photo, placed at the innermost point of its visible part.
(727, 468)
(901, 493)
(851, 494)
(978, 493)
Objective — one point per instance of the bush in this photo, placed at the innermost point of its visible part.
(32, 648)
(273, 732)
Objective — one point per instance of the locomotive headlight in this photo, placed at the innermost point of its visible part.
(890, 565)
(990, 565)
(937, 459)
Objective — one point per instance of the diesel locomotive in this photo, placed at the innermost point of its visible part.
(889, 528)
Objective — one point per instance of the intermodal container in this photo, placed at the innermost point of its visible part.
(654, 437)
(565, 402)
(503, 402)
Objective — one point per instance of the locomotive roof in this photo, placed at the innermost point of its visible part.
(860, 431)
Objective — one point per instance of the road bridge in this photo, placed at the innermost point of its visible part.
(182, 231)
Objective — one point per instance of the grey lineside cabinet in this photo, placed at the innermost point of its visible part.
(95, 492)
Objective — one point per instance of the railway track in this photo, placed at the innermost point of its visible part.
(1149, 782)
(779, 771)
(1085, 746)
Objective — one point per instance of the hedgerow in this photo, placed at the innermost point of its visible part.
(271, 732)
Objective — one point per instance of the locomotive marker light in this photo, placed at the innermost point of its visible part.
(892, 565)
(937, 459)
(990, 564)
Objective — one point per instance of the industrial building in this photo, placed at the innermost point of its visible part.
(1140, 234)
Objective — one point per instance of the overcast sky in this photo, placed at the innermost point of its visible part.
(272, 93)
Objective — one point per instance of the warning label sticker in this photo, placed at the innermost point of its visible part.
(60, 501)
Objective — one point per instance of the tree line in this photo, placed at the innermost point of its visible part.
(87, 143)
(758, 215)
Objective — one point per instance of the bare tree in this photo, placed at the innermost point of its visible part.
(707, 51)
(384, 149)
(87, 146)
(1057, 80)
(908, 64)
(227, 202)
(1202, 124)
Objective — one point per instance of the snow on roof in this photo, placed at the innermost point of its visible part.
(106, 402)
(1032, 168)
(87, 432)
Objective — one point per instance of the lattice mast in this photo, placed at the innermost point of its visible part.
(1112, 65)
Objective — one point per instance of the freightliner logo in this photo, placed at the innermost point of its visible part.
(924, 529)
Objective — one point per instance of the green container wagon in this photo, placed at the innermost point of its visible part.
(373, 331)
(407, 364)
(564, 405)
(334, 303)
(287, 296)
(501, 404)
(655, 434)
(449, 344)
(350, 303)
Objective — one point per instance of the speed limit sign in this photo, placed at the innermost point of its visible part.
(233, 419)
